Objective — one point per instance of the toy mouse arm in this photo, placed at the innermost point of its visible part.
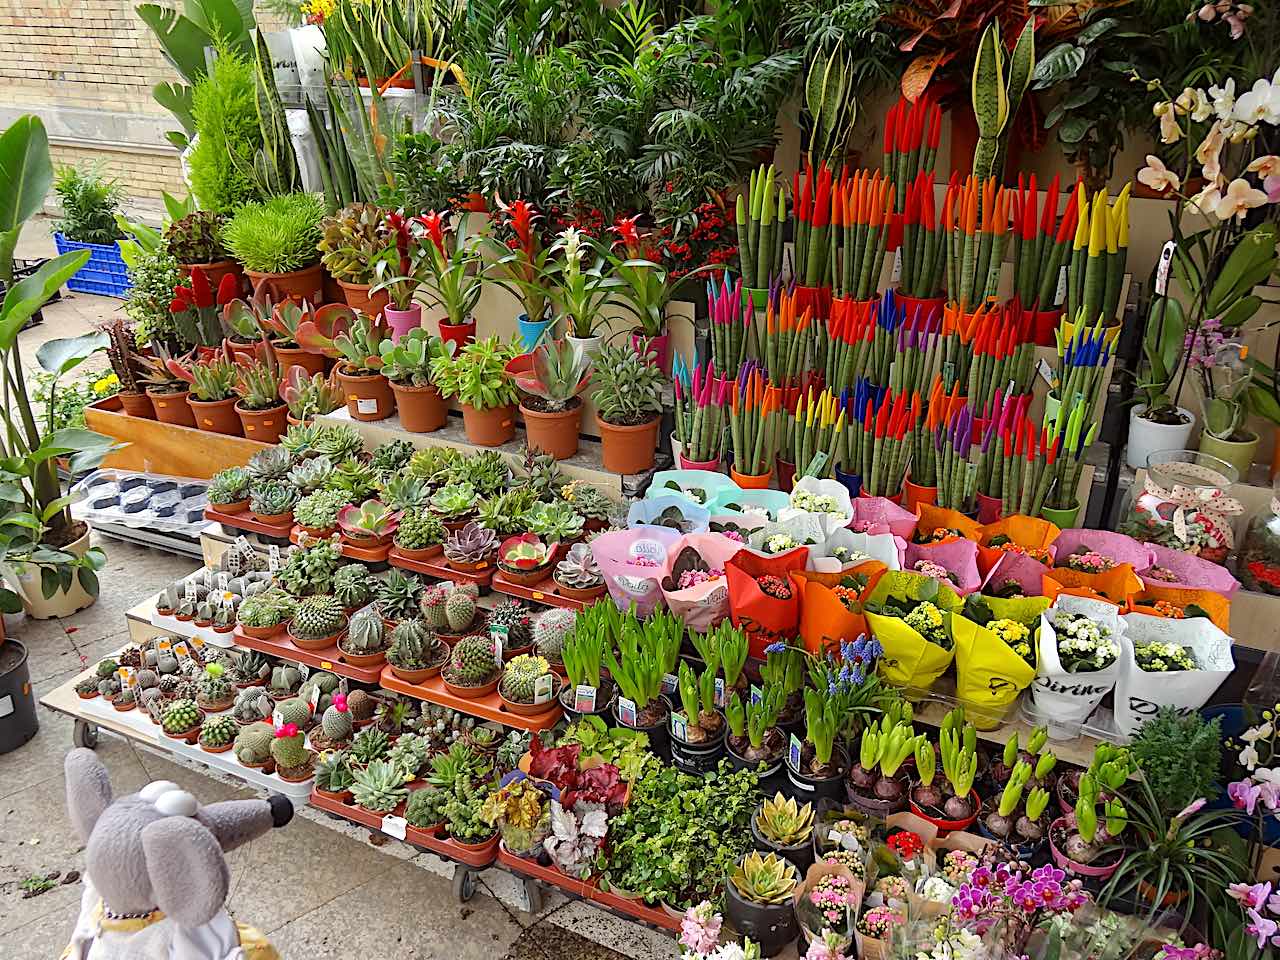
(236, 822)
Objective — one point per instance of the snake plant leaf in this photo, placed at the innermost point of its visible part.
(1021, 66)
(990, 95)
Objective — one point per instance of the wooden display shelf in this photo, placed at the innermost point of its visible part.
(331, 658)
(245, 521)
(350, 551)
(440, 570)
(440, 846)
(546, 591)
(588, 890)
(489, 707)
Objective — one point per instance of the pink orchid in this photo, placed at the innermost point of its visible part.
(1244, 794)
(1260, 927)
(1249, 895)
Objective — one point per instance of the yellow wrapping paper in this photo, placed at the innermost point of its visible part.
(909, 660)
(932, 517)
(989, 676)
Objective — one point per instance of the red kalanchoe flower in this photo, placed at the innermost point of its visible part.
(775, 587)
(201, 292)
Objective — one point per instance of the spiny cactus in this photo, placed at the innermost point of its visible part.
(252, 704)
(253, 743)
(353, 585)
(361, 705)
(219, 731)
(295, 710)
(317, 617)
(459, 611)
(284, 678)
(336, 722)
(432, 602)
(520, 675)
(515, 616)
(366, 634)
(214, 688)
(147, 678)
(413, 646)
(290, 752)
(472, 663)
(181, 716)
(549, 630)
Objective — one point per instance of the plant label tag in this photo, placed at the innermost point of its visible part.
(197, 642)
(543, 687)
(719, 691)
(584, 698)
(499, 634)
(757, 695)
(948, 373)
(127, 677)
(314, 699)
(679, 727)
(242, 543)
(1060, 293)
(273, 558)
(1045, 371)
(393, 826)
(180, 648)
(208, 578)
(223, 580)
(1162, 267)
(189, 590)
(163, 645)
(304, 671)
(627, 712)
(277, 719)
(795, 753)
(367, 405)
(669, 683)
(816, 464)
(897, 266)
(343, 686)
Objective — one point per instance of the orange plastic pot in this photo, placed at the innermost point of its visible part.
(369, 395)
(302, 285)
(554, 432)
(172, 408)
(751, 481)
(313, 363)
(916, 493)
(216, 416)
(265, 425)
(137, 405)
(361, 300)
(489, 428)
(422, 409)
(628, 448)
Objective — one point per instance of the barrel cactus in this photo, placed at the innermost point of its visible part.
(361, 705)
(413, 646)
(549, 631)
(252, 704)
(289, 749)
(215, 688)
(520, 677)
(219, 731)
(336, 723)
(181, 716)
(473, 662)
(366, 635)
(432, 603)
(516, 617)
(353, 585)
(317, 617)
(296, 711)
(253, 743)
(459, 611)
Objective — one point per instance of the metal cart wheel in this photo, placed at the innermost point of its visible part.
(85, 734)
(464, 883)
(533, 895)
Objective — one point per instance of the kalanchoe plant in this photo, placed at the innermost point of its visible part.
(409, 360)
(285, 321)
(358, 346)
(627, 386)
(371, 521)
(351, 241)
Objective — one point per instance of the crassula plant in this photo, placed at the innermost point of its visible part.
(418, 530)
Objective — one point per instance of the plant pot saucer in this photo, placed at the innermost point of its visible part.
(469, 567)
(472, 693)
(534, 709)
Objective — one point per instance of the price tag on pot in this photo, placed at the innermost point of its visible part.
(367, 405)
(679, 727)
(304, 671)
(1045, 371)
(393, 826)
(499, 633)
(1060, 292)
(897, 266)
(757, 695)
(816, 465)
(314, 699)
(795, 753)
(273, 558)
(719, 691)
(189, 589)
(669, 683)
(584, 698)
(180, 648)
(627, 712)
(543, 688)
(277, 719)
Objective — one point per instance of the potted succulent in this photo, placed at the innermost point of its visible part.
(463, 822)
(528, 686)
(454, 504)
(628, 407)
(698, 728)
(122, 351)
(420, 535)
(182, 720)
(470, 549)
(371, 524)
(253, 747)
(218, 734)
(785, 827)
(283, 322)
(450, 609)
(524, 559)
(166, 390)
(551, 401)
(451, 277)
(358, 349)
(397, 597)
(212, 381)
(353, 586)
(579, 293)
(294, 762)
(195, 241)
(334, 776)
(351, 242)
(317, 513)
(262, 412)
(416, 653)
(758, 901)
(406, 363)
(365, 642)
(551, 628)
(277, 242)
(272, 502)
(317, 623)
(215, 691)
(252, 706)
(577, 576)
(473, 669)
(954, 804)
(754, 736)
(228, 490)
(477, 376)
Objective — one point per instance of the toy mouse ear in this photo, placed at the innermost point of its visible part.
(189, 875)
(88, 790)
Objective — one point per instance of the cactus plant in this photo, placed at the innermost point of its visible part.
(228, 486)
(379, 786)
(413, 646)
(472, 544)
(366, 634)
(549, 631)
(431, 602)
(459, 611)
(336, 723)
(516, 618)
(353, 585)
(219, 731)
(521, 675)
(284, 679)
(361, 705)
(397, 595)
(317, 617)
(251, 704)
(418, 530)
(253, 744)
(181, 717)
(289, 750)
(88, 687)
(473, 662)
(215, 690)
(295, 710)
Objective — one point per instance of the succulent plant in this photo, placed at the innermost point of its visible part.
(338, 442)
(369, 744)
(784, 821)
(252, 703)
(229, 486)
(459, 610)
(517, 619)
(520, 675)
(627, 387)
(543, 473)
(196, 238)
(462, 813)
(333, 772)
(109, 686)
(472, 663)
(557, 521)
(273, 463)
(454, 500)
(487, 471)
(471, 544)
(125, 695)
(336, 723)
(241, 558)
(310, 475)
(214, 688)
(87, 686)
(319, 510)
(317, 617)
(289, 750)
(525, 552)
(397, 595)
(219, 731)
(768, 879)
(354, 479)
(418, 530)
(366, 634)
(379, 786)
(587, 501)
(284, 679)
(310, 569)
(425, 808)
(351, 241)
(268, 609)
(389, 458)
(372, 520)
(106, 668)
(404, 491)
(251, 666)
(413, 646)
(435, 464)
(578, 570)
(550, 629)
(272, 498)
(181, 716)
(410, 754)
(300, 439)
(503, 513)
(253, 743)
(431, 603)
(353, 585)
(361, 705)
(295, 710)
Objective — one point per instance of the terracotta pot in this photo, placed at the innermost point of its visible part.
(363, 660)
(369, 396)
(302, 285)
(172, 408)
(137, 405)
(554, 432)
(459, 333)
(533, 709)
(421, 409)
(322, 643)
(313, 363)
(489, 428)
(915, 494)
(265, 425)
(418, 676)
(320, 533)
(216, 416)
(526, 578)
(472, 693)
(583, 595)
(215, 271)
(360, 300)
(421, 553)
(751, 481)
(628, 449)
(275, 519)
(402, 321)
(222, 749)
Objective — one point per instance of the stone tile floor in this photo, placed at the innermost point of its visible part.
(319, 887)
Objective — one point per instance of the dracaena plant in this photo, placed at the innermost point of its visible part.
(451, 277)
(408, 360)
(210, 378)
(310, 395)
(477, 376)
(560, 374)
(521, 265)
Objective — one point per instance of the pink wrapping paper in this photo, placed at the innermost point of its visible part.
(960, 557)
(630, 582)
(882, 515)
(1018, 566)
(1117, 546)
(1193, 573)
(704, 605)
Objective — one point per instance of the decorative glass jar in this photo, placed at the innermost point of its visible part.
(1258, 564)
(1184, 503)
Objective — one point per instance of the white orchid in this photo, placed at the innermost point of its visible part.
(1224, 99)
(1206, 201)
(1261, 102)
(1265, 166)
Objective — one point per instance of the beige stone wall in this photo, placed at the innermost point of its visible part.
(144, 175)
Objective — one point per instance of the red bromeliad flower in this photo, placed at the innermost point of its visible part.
(628, 232)
(399, 228)
(521, 215)
(433, 223)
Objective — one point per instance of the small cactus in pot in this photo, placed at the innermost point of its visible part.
(366, 636)
(473, 662)
(549, 631)
(289, 750)
(219, 733)
(414, 647)
(253, 744)
(520, 677)
(318, 618)
(182, 718)
(336, 726)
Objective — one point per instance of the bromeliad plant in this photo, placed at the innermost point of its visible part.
(522, 261)
(578, 289)
(699, 414)
(645, 287)
(451, 276)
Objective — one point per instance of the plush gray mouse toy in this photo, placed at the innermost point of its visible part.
(155, 876)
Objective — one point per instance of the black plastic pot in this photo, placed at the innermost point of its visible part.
(698, 758)
(604, 703)
(812, 788)
(801, 854)
(17, 699)
(659, 733)
(742, 763)
(874, 806)
(773, 926)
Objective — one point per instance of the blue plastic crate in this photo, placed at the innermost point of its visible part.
(105, 273)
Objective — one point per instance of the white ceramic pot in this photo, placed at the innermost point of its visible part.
(585, 346)
(677, 448)
(1146, 437)
(26, 581)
